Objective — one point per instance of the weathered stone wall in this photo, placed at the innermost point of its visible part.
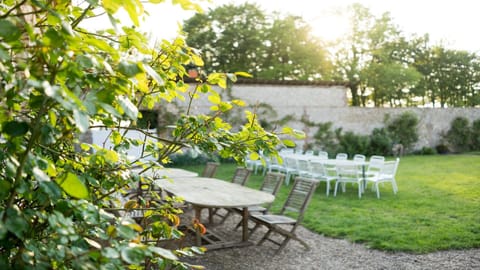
(323, 103)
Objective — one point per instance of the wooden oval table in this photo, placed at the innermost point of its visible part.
(202, 192)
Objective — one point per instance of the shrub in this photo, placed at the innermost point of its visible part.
(476, 135)
(403, 129)
(442, 149)
(426, 151)
(380, 142)
(326, 138)
(459, 135)
(352, 143)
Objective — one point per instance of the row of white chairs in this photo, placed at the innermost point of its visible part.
(361, 172)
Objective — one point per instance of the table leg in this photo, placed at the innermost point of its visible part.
(198, 234)
(245, 224)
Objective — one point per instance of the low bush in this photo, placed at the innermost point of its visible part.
(426, 151)
(403, 129)
(442, 149)
(459, 135)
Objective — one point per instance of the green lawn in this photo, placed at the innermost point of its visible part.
(437, 207)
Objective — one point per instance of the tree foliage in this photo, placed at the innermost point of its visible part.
(383, 66)
(243, 37)
(59, 80)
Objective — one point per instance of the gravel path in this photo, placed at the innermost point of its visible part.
(327, 253)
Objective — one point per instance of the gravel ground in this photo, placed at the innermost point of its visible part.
(326, 253)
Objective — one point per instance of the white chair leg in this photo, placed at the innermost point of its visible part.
(335, 191)
(378, 190)
(395, 187)
(328, 188)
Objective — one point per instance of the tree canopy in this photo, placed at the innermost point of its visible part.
(382, 66)
(244, 38)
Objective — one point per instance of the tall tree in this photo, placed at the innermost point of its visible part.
(449, 77)
(367, 44)
(267, 46)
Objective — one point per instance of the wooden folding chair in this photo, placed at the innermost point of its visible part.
(240, 177)
(297, 202)
(210, 169)
(271, 184)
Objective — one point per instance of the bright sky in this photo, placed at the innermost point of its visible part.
(452, 22)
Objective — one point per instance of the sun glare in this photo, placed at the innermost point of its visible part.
(329, 27)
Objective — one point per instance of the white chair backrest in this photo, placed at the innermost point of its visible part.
(341, 156)
(309, 153)
(287, 151)
(375, 158)
(303, 166)
(317, 168)
(359, 157)
(290, 162)
(348, 171)
(375, 164)
(389, 168)
(322, 155)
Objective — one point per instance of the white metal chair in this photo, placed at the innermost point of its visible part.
(275, 164)
(303, 167)
(291, 168)
(349, 173)
(387, 174)
(375, 165)
(322, 173)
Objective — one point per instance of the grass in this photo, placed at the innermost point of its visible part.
(437, 207)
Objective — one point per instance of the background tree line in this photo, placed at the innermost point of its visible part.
(381, 65)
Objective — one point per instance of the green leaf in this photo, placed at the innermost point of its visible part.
(129, 69)
(128, 107)
(40, 175)
(15, 128)
(238, 102)
(132, 255)
(5, 187)
(81, 120)
(73, 186)
(243, 74)
(165, 253)
(84, 61)
(9, 31)
(288, 143)
(153, 73)
(110, 253)
(254, 156)
(15, 222)
(197, 60)
(93, 243)
(214, 99)
(111, 6)
(52, 38)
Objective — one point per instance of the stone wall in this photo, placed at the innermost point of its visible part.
(328, 103)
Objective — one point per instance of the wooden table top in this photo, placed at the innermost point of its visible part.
(211, 192)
